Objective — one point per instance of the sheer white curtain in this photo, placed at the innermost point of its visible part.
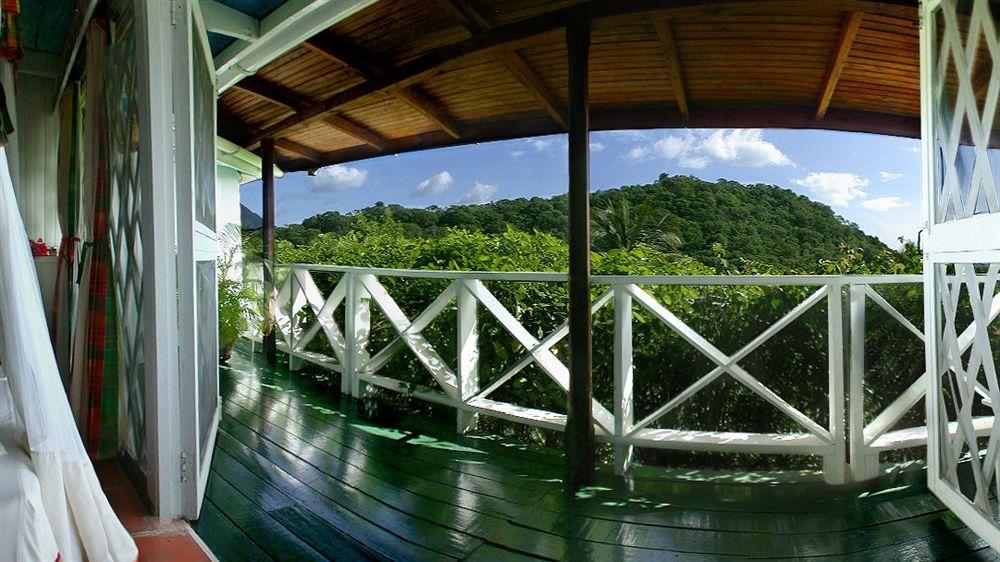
(83, 523)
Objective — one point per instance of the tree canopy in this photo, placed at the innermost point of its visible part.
(760, 223)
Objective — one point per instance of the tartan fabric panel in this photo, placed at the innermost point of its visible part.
(102, 342)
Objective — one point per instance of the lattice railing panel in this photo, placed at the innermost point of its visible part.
(969, 390)
(124, 225)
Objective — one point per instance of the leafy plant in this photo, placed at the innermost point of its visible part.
(239, 294)
(619, 224)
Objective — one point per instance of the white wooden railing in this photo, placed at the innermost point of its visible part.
(849, 447)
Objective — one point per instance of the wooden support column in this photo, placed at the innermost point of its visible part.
(267, 173)
(580, 445)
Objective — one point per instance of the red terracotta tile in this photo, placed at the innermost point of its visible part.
(170, 548)
(159, 540)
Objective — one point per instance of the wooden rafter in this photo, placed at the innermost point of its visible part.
(847, 34)
(467, 15)
(224, 20)
(230, 127)
(532, 82)
(666, 36)
(429, 108)
(339, 51)
(356, 131)
(302, 150)
(274, 93)
(474, 22)
(294, 101)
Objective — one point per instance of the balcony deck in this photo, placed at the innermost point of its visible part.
(299, 474)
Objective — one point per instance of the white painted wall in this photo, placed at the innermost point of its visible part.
(37, 144)
(227, 194)
(227, 205)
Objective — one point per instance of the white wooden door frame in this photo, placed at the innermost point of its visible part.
(154, 40)
(967, 239)
(196, 243)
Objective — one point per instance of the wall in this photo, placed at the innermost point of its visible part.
(227, 197)
(37, 141)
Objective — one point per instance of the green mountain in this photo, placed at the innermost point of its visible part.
(757, 222)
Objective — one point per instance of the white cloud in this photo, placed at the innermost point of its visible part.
(338, 178)
(434, 185)
(915, 147)
(632, 135)
(542, 144)
(515, 154)
(885, 204)
(637, 153)
(479, 194)
(596, 146)
(837, 189)
(699, 148)
(889, 176)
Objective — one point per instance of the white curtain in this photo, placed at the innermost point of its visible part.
(83, 523)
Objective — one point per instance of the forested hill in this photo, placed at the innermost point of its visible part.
(757, 222)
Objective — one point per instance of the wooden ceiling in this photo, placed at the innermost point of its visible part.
(407, 75)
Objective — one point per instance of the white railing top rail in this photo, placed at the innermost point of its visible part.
(701, 280)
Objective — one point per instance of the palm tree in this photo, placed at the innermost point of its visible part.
(620, 225)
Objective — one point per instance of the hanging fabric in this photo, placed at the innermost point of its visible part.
(82, 521)
(94, 384)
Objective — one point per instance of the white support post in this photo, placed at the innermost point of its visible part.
(864, 464)
(357, 324)
(835, 463)
(623, 377)
(467, 369)
(294, 330)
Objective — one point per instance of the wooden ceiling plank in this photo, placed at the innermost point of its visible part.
(356, 131)
(515, 35)
(666, 36)
(844, 43)
(518, 67)
(430, 108)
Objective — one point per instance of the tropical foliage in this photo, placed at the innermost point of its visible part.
(761, 223)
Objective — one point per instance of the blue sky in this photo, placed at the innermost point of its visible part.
(869, 179)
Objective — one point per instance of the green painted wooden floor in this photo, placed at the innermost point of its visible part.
(300, 475)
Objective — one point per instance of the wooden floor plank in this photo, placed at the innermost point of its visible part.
(225, 539)
(273, 538)
(301, 473)
(331, 542)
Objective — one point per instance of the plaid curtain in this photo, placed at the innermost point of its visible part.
(102, 328)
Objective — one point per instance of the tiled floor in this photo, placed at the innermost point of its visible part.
(158, 540)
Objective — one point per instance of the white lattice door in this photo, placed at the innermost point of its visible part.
(960, 84)
(197, 249)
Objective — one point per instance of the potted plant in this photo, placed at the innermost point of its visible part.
(239, 295)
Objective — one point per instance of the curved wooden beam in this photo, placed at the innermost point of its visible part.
(646, 116)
